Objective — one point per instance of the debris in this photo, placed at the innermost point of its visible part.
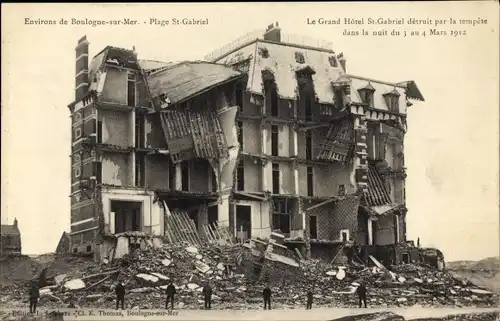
(76, 284)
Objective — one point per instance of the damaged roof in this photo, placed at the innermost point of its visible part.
(280, 60)
(186, 79)
(377, 193)
(412, 90)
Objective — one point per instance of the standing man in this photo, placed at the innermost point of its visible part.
(34, 296)
(120, 295)
(170, 295)
(266, 293)
(309, 300)
(361, 291)
(207, 293)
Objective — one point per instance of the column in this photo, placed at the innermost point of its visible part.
(370, 230)
(223, 210)
(178, 177)
(361, 163)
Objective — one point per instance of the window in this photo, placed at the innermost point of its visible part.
(308, 145)
(89, 248)
(339, 99)
(139, 130)
(99, 132)
(240, 186)
(77, 158)
(333, 61)
(276, 178)
(274, 140)
(140, 169)
(299, 57)
(392, 101)
(131, 90)
(341, 191)
(344, 235)
(185, 175)
(78, 116)
(272, 96)
(282, 209)
(8, 240)
(366, 95)
(310, 181)
(263, 52)
(240, 134)
(98, 172)
(308, 114)
(171, 175)
(77, 172)
(78, 133)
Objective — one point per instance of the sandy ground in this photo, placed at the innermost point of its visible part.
(295, 314)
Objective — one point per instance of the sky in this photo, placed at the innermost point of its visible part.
(451, 147)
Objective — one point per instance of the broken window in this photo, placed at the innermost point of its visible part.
(171, 175)
(244, 221)
(139, 130)
(140, 169)
(274, 140)
(98, 172)
(310, 181)
(308, 145)
(99, 132)
(185, 175)
(240, 134)
(333, 61)
(276, 178)
(240, 186)
(131, 90)
(271, 96)
(313, 227)
(299, 57)
(127, 216)
(341, 191)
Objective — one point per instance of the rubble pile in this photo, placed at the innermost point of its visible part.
(238, 274)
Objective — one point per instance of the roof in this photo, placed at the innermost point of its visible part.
(412, 90)
(10, 230)
(282, 63)
(154, 65)
(377, 193)
(186, 79)
(380, 88)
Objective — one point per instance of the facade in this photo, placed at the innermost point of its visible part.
(11, 240)
(262, 136)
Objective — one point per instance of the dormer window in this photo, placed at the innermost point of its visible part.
(299, 57)
(392, 101)
(366, 93)
(263, 52)
(333, 61)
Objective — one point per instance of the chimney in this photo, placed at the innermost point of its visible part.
(15, 221)
(82, 68)
(273, 33)
(341, 59)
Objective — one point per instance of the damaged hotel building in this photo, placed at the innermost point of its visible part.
(262, 135)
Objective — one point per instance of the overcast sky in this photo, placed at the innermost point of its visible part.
(451, 148)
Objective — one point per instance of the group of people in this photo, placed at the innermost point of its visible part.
(170, 291)
(207, 295)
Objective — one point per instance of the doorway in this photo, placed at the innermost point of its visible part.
(213, 216)
(243, 222)
(313, 227)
